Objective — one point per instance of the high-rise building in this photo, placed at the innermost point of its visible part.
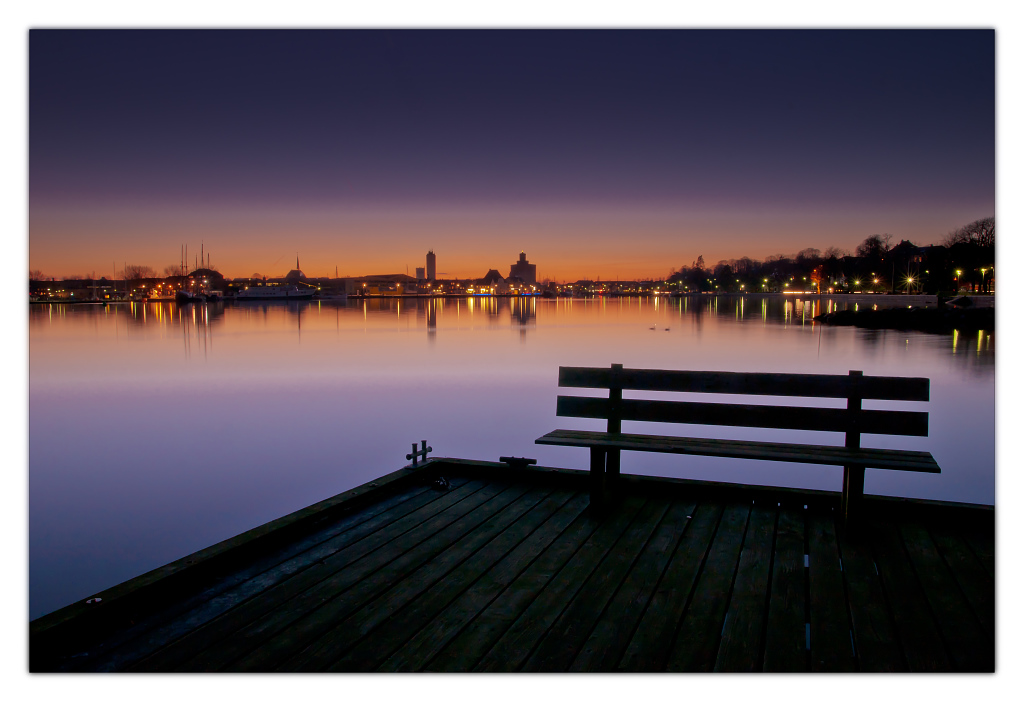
(431, 265)
(524, 270)
(419, 273)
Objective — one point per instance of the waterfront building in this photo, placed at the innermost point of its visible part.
(420, 273)
(431, 265)
(295, 276)
(493, 277)
(492, 282)
(524, 270)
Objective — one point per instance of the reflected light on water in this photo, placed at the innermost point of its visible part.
(181, 427)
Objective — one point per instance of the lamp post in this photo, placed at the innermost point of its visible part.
(958, 274)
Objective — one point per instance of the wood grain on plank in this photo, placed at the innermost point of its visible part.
(607, 643)
(742, 636)
(831, 641)
(874, 632)
(696, 644)
(564, 641)
(785, 648)
(919, 637)
(485, 629)
(649, 648)
(970, 648)
(366, 638)
(781, 384)
(970, 575)
(316, 618)
(518, 642)
(277, 608)
(181, 638)
(447, 624)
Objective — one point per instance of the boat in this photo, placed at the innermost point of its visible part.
(184, 297)
(275, 292)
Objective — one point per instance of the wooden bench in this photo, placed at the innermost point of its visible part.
(853, 421)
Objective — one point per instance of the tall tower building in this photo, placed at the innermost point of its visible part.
(524, 270)
(431, 265)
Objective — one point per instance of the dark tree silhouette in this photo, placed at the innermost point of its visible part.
(981, 232)
(136, 272)
(874, 247)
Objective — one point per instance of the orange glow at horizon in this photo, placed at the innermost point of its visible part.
(566, 245)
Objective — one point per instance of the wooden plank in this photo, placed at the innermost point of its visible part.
(984, 549)
(321, 608)
(126, 602)
(874, 632)
(607, 643)
(969, 647)
(743, 634)
(891, 422)
(244, 627)
(515, 646)
(696, 644)
(785, 638)
(649, 648)
(483, 632)
(831, 639)
(915, 461)
(443, 628)
(970, 575)
(918, 634)
(781, 384)
(371, 634)
(165, 647)
(565, 639)
(191, 610)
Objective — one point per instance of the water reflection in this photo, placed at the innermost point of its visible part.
(182, 426)
(196, 324)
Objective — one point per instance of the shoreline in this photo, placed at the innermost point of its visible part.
(880, 299)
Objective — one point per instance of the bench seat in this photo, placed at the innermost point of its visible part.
(851, 421)
(893, 459)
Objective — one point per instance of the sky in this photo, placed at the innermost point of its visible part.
(599, 153)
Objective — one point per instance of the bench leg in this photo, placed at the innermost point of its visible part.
(853, 494)
(598, 500)
(611, 480)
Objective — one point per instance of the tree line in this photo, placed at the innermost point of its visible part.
(964, 259)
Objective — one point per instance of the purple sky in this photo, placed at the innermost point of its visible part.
(618, 154)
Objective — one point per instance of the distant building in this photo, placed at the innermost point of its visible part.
(493, 277)
(524, 270)
(419, 273)
(431, 265)
(295, 276)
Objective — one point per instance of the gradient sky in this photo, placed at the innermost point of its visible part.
(619, 154)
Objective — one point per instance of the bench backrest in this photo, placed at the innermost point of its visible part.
(851, 420)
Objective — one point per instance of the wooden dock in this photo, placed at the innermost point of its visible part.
(508, 571)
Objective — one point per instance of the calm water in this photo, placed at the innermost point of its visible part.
(156, 431)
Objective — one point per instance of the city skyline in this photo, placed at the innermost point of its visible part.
(612, 154)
